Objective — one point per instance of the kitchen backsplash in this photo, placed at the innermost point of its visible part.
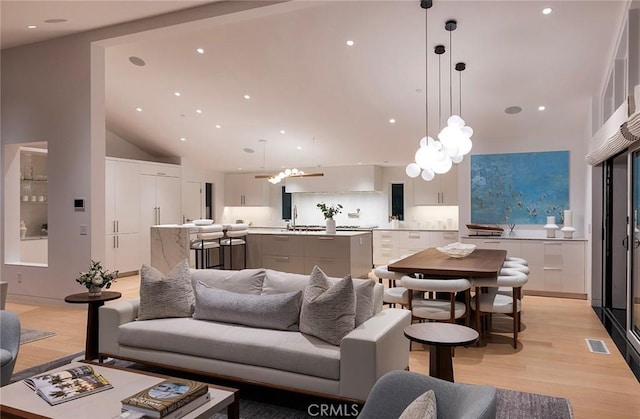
(373, 211)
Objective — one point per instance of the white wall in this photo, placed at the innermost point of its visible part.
(54, 91)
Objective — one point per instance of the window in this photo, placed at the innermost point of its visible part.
(397, 201)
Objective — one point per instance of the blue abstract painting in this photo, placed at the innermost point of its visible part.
(519, 188)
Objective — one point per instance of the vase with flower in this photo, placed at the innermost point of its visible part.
(329, 211)
(96, 278)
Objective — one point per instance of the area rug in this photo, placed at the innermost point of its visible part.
(266, 403)
(31, 335)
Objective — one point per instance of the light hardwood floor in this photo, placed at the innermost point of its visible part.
(552, 356)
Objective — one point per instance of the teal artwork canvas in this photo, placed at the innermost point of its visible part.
(519, 188)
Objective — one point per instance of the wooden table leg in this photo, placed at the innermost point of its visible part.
(440, 362)
(233, 410)
(91, 346)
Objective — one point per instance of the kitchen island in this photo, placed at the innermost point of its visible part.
(340, 254)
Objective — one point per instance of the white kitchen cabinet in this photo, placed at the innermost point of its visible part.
(338, 179)
(393, 244)
(283, 253)
(442, 238)
(337, 255)
(122, 215)
(556, 267)
(245, 190)
(442, 190)
(160, 203)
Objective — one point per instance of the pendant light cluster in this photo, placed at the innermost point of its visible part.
(454, 141)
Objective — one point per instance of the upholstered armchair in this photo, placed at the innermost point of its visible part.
(9, 344)
(394, 391)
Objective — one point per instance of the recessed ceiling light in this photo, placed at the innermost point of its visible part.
(183, 139)
(282, 131)
(350, 43)
(512, 110)
(547, 11)
(218, 126)
(299, 147)
(139, 109)
(247, 97)
(359, 163)
(542, 108)
(200, 50)
(55, 20)
(198, 110)
(137, 61)
(392, 121)
(176, 93)
(31, 27)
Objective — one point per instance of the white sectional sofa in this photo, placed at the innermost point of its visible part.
(279, 358)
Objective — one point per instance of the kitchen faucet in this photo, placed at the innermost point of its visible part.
(295, 215)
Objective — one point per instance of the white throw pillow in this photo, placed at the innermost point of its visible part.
(328, 310)
(424, 407)
(165, 296)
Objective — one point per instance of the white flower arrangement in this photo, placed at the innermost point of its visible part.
(97, 277)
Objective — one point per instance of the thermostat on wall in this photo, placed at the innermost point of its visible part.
(78, 204)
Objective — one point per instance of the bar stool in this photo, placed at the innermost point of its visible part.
(207, 238)
(235, 235)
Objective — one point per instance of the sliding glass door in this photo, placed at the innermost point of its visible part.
(633, 320)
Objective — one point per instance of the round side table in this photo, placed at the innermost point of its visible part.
(441, 337)
(91, 345)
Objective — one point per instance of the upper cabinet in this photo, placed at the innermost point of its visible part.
(442, 190)
(243, 189)
(338, 179)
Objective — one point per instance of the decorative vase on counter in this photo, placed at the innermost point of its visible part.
(331, 226)
(94, 291)
(551, 227)
(568, 228)
(23, 230)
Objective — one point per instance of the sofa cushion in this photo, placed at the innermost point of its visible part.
(277, 311)
(246, 281)
(278, 349)
(276, 282)
(165, 296)
(328, 310)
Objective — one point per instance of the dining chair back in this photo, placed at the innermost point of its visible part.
(425, 304)
(393, 294)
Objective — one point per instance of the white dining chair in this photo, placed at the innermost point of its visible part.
(487, 300)
(393, 294)
(425, 304)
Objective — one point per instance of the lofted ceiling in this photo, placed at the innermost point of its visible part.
(332, 101)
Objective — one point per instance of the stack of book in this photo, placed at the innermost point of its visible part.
(172, 399)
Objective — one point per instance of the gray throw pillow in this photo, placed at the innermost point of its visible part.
(165, 296)
(275, 311)
(364, 299)
(328, 310)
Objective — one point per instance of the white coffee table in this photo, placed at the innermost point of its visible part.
(18, 401)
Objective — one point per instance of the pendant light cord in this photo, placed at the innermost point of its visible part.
(450, 75)
(426, 72)
(460, 90)
(439, 93)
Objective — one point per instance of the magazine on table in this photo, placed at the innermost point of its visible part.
(169, 396)
(63, 386)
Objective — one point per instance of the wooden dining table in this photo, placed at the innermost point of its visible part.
(481, 263)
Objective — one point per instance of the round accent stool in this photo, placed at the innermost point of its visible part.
(441, 337)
